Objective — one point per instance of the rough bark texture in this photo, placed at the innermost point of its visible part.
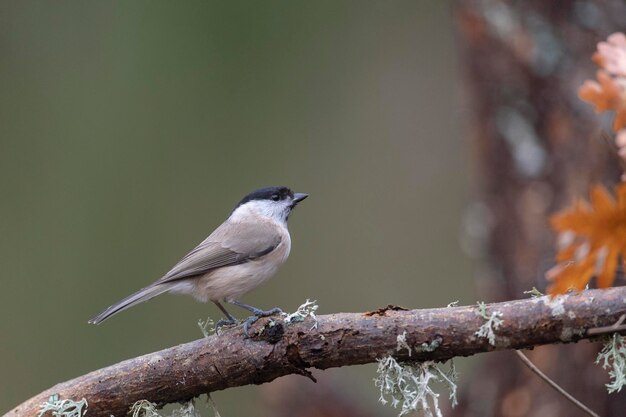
(230, 360)
(537, 146)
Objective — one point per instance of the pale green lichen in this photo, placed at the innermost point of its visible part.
(566, 334)
(492, 324)
(408, 385)
(430, 347)
(187, 409)
(613, 358)
(307, 309)
(453, 304)
(145, 408)
(207, 327)
(534, 293)
(402, 343)
(63, 408)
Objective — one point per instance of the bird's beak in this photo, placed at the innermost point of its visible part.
(298, 197)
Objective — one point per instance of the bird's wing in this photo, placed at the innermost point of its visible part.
(218, 250)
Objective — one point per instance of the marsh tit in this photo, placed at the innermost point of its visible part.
(241, 254)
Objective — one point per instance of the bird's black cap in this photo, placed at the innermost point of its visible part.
(267, 193)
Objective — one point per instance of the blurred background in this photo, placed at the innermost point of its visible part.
(128, 131)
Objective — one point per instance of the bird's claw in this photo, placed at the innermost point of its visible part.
(258, 313)
(225, 322)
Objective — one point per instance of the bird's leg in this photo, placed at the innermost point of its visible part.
(258, 313)
(254, 310)
(224, 322)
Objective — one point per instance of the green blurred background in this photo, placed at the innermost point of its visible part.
(128, 130)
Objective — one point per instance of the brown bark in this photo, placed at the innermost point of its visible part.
(219, 362)
(537, 147)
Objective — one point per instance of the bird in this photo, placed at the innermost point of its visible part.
(242, 253)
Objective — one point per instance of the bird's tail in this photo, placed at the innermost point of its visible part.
(140, 296)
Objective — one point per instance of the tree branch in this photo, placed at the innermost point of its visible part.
(229, 360)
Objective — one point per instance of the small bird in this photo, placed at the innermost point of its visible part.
(241, 254)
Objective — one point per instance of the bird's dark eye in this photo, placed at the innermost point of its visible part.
(275, 197)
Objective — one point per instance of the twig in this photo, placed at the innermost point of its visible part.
(616, 327)
(554, 385)
(229, 360)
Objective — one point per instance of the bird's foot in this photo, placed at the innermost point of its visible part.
(258, 313)
(225, 322)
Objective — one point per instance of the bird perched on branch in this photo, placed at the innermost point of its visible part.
(241, 254)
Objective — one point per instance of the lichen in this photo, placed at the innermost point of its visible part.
(402, 343)
(307, 309)
(207, 327)
(534, 293)
(187, 409)
(408, 385)
(613, 358)
(145, 408)
(566, 334)
(493, 323)
(63, 408)
(430, 347)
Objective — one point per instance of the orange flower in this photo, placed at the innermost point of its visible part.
(606, 94)
(592, 239)
(609, 92)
